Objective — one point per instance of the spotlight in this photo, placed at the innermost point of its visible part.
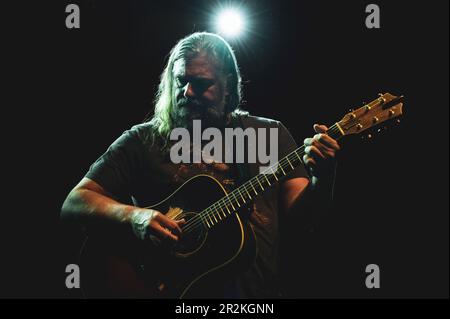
(230, 23)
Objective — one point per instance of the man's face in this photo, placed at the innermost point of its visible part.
(200, 91)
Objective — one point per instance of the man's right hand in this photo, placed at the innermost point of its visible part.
(89, 198)
(148, 222)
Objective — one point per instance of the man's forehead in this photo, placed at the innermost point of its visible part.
(200, 65)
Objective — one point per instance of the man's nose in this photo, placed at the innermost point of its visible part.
(189, 91)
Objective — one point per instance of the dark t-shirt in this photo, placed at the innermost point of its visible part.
(135, 167)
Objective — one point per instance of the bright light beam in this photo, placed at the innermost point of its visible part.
(230, 23)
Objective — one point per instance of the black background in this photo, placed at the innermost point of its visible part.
(70, 93)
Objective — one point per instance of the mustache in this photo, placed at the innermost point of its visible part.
(189, 102)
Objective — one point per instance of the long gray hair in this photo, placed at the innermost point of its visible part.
(199, 42)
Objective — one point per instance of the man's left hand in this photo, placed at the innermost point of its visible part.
(320, 153)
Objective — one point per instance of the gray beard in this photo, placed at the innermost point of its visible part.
(184, 116)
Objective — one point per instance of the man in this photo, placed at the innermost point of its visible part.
(200, 82)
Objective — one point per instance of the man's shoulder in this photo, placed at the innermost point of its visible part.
(136, 135)
(142, 128)
(143, 131)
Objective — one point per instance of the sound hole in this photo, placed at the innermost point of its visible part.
(193, 237)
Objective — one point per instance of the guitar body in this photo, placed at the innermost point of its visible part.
(203, 260)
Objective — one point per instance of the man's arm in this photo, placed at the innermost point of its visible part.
(310, 198)
(291, 193)
(89, 202)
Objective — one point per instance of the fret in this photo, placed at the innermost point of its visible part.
(298, 156)
(218, 214)
(207, 223)
(256, 193)
(221, 209)
(247, 193)
(212, 212)
(243, 199)
(267, 179)
(233, 199)
(210, 219)
(230, 202)
(259, 183)
(275, 176)
(287, 157)
(237, 202)
(281, 166)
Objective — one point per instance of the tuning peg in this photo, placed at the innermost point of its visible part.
(398, 121)
(369, 136)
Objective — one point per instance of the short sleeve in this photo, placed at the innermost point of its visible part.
(287, 144)
(117, 168)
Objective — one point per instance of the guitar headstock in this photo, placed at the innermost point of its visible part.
(385, 107)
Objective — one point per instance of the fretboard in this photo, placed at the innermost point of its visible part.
(245, 193)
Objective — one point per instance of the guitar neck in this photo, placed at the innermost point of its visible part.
(230, 203)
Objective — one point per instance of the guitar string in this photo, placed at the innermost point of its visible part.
(226, 201)
(285, 163)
